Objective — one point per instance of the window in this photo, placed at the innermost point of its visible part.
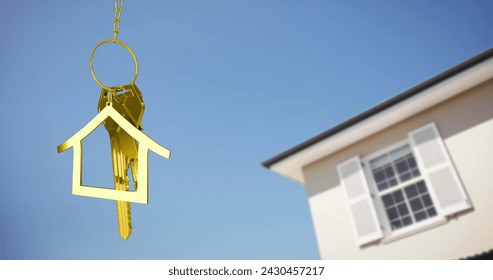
(401, 188)
(407, 187)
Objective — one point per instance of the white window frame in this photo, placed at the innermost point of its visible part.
(365, 207)
(389, 234)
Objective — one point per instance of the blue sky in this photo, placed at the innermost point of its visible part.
(227, 84)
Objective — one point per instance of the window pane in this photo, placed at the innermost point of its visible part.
(407, 221)
(406, 176)
(387, 200)
(383, 186)
(403, 209)
(427, 200)
(431, 212)
(393, 182)
(411, 191)
(379, 176)
(396, 224)
(416, 204)
(392, 213)
(398, 197)
(420, 216)
(422, 187)
(401, 166)
(412, 163)
(389, 172)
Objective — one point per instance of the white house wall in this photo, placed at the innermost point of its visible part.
(466, 125)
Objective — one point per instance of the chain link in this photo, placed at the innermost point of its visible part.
(116, 20)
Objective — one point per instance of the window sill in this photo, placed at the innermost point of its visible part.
(405, 232)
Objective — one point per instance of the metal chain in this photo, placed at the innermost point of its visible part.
(116, 20)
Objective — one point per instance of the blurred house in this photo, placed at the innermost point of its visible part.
(411, 178)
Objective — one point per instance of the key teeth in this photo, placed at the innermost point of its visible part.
(129, 217)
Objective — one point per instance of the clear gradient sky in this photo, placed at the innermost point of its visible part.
(227, 84)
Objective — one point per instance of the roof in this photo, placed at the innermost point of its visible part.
(437, 89)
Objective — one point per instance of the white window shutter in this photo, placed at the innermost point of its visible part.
(435, 163)
(364, 217)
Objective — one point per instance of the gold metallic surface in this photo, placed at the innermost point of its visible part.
(121, 184)
(116, 19)
(120, 110)
(124, 148)
(140, 195)
(126, 47)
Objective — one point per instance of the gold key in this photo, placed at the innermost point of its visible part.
(121, 183)
(124, 148)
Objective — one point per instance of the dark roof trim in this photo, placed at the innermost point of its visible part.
(488, 255)
(382, 106)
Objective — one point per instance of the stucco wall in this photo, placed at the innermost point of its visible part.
(465, 123)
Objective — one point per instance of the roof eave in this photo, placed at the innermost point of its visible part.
(423, 96)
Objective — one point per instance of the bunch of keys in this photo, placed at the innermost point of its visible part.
(126, 100)
(120, 110)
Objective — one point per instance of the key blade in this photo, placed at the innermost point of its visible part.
(124, 219)
(120, 166)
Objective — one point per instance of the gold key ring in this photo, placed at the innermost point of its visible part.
(116, 42)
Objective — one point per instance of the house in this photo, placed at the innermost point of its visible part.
(411, 178)
(140, 195)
